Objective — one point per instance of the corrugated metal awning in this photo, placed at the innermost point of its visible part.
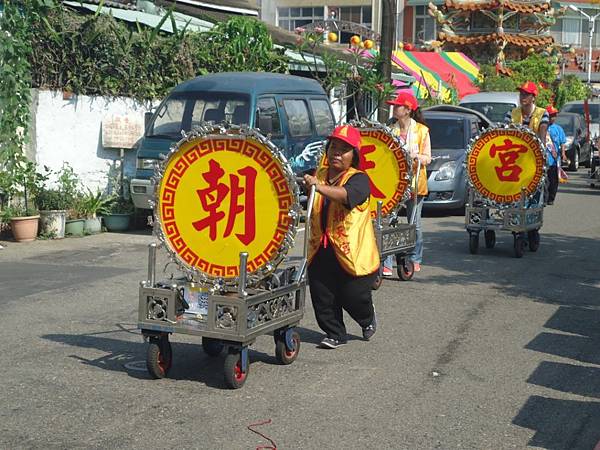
(152, 20)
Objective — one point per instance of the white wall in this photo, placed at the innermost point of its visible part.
(70, 130)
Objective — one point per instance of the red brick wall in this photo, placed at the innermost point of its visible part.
(408, 23)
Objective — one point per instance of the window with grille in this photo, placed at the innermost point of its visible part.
(294, 17)
(425, 25)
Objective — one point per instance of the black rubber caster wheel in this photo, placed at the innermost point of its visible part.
(234, 376)
(283, 355)
(406, 269)
(474, 243)
(519, 246)
(490, 238)
(212, 347)
(533, 238)
(159, 357)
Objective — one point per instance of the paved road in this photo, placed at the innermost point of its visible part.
(479, 352)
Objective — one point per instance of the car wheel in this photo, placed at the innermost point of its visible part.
(574, 163)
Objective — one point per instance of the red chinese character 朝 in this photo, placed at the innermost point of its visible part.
(508, 155)
(213, 196)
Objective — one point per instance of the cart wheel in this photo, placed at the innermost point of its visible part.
(533, 237)
(159, 357)
(406, 269)
(490, 238)
(212, 347)
(377, 282)
(283, 355)
(474, 243)
(519, 246)
(234, 377)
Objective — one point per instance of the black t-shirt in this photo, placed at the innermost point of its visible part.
(358, 189)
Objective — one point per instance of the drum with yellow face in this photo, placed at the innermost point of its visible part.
(384, 159)
(221, 192)
(505, 162)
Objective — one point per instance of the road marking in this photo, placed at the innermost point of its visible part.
(138, 366)
(301, 229)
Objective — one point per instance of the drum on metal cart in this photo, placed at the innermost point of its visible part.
(226, 212)
(506, 167)
(386, 161)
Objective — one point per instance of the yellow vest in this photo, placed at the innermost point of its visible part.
(534, 121)
(349, 232)
(418, 134)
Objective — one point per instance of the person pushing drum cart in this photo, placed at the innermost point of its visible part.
(226, 211)
(386, 162)
(506, 168)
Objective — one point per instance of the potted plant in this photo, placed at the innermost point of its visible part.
(52, 205)
(94, 205)
(20, 211)
(75, 218)
(119, 215)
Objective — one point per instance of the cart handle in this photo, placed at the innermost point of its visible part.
(309, 207)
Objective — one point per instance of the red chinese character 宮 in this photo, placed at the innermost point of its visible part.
(508, 155)
(366, 164)
(214, 195)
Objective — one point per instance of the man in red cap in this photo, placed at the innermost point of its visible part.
(555, 153)
(529, 115)
(342, 251)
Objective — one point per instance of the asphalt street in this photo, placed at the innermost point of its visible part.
(479, 351)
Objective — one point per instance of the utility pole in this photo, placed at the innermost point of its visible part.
(388, 28)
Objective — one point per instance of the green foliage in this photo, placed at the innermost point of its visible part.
(360, 74)
(241, 44)
(95, 204)
(538, 69)
(17, 174)
(570, 88)
(98, 55)
(121, 206)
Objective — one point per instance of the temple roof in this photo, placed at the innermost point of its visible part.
(516, 39)
(514, 5)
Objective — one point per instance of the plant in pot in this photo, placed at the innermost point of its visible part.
(75, 217)
(20, 210)
(94, 205)
(53, 205)
(119, 215)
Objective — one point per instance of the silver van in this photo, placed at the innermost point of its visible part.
(493, 105)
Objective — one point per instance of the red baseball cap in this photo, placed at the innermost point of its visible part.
(529, 87)
(348, 134)
(552, 110)
(405, 99)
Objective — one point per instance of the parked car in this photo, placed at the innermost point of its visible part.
(578, 145)
(294, 110)
(578, 108)
(451, 128)
(493, 105)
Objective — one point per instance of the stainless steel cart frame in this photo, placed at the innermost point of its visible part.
(523, 220)
(235, 317)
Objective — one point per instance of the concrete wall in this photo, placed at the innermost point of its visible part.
(70, 131)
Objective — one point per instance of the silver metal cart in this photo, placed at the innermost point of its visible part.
(231, 316)
(523, 216)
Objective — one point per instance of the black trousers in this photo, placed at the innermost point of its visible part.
(333, 290)
(552, 184)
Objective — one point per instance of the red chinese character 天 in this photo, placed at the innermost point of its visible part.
(508, 155)
(366, 164)
(214, 195)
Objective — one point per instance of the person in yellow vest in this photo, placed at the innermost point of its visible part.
(528, 114)
(342, 255)
(411, 128)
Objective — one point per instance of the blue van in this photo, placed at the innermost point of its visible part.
(294, 110)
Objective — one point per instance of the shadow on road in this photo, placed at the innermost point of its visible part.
(563, 271)
(566, 424)
(189, 360)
